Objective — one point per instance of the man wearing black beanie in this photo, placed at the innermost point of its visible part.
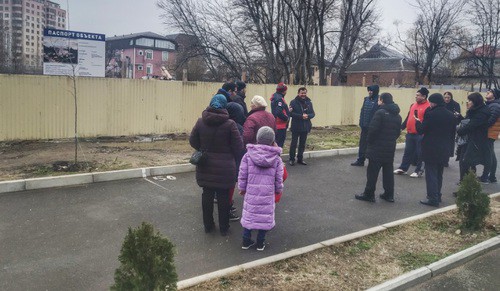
(240, 96)
(437, 128)
(413, 152)
(367, 111)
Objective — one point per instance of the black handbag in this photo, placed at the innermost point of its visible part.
(199, 157)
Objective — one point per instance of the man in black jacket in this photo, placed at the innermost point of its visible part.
(367, 111)
(437, 128)
(240, 96)
(383, 131)
(301, 111)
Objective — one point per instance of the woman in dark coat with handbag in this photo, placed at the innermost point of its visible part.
(218, 136)
(476, 151)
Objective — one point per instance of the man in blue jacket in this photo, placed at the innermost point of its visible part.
(367, 111)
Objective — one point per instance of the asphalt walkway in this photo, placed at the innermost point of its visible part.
(69, 238)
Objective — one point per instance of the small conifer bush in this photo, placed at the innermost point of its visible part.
(147, 261)
(473, 204)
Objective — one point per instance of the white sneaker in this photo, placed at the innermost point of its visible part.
(416, 175)
(399, 172)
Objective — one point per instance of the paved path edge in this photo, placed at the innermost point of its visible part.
(423, 274)
(88, 178)
(399, 283)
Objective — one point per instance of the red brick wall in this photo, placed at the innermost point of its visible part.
(384, 79)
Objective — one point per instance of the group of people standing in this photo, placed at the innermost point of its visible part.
(244, 147)
(433, 126)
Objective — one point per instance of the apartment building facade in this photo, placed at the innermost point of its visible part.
(22, 23)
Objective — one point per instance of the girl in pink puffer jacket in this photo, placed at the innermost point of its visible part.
(259, 180)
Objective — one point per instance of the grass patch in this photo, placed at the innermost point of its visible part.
(366, 262)
(411, 261)
(360, 246)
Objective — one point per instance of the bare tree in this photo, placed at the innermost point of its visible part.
(430, 39)
(356, 27)
(482, 48)
(207, 21)
(323, 10)
(273, 40)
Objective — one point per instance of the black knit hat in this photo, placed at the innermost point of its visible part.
(241, 85)
(436, 98)
(423, 91)
(229, 86)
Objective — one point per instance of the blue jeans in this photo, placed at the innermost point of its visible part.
(413, 152)
(261, 234)
(363, 143)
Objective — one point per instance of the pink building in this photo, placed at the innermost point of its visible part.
(140, 55)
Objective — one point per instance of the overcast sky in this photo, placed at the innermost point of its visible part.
(118, 17)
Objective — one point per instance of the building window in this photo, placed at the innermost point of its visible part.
(375, 79)
(149, 55)
(165, 44)
(164, 56)
(145, 42)
(140, 68)
(149, 69)
(140, 53)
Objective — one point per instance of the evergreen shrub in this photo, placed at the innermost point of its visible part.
(473, 204)
(147, 261)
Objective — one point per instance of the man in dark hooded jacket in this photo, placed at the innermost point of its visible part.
(240, 96)
(383, 131)
(437, 128)
(229, 90)
(367, 111)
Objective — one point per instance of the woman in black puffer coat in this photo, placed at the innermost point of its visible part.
(219, 137)
(476, 151)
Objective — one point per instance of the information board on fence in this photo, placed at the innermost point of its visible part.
(68, 53)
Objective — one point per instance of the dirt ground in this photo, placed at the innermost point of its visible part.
(366, 262)
(30, 159)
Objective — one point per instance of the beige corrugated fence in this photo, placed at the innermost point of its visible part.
(42, 107)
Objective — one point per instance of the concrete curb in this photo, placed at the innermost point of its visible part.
(423, 274)
(407, 280)
(79, 179)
